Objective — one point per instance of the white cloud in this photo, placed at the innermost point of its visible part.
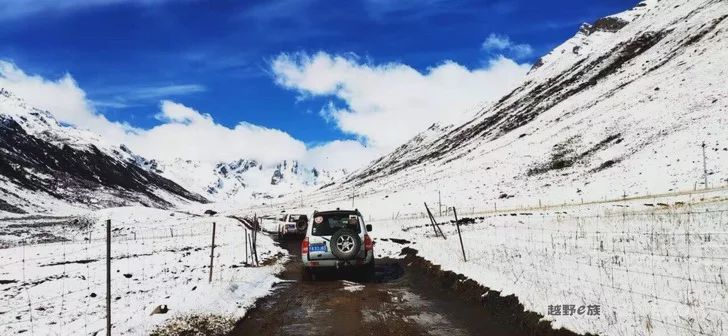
(178, 113)
(154, 92)
(62, 97)
(388, 104)
(497, 42)
(130, 96)
(190, 134)
(502, 43)
(184, 132)
(340, 154)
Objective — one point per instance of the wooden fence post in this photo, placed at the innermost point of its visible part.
(212, 251)
(457, 224)
(108, 277)
(434, 223)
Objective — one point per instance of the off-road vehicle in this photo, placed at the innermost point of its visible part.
(337, 240)
(292, 225)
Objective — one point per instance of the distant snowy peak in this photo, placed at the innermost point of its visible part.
(244, 179)
(308, 176)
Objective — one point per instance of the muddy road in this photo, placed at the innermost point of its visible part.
(397, 301)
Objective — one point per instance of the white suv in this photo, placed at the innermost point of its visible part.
(292, 225)
(337, 239)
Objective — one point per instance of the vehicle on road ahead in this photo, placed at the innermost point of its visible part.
(292, 225)
(338, 240)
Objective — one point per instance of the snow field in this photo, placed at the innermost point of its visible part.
(652, 270)
(158, 258)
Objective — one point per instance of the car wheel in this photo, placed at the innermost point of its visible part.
(345, 244)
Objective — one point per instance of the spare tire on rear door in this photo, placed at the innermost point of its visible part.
(345, 244)
(302, 224)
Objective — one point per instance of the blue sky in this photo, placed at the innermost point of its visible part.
(215, 56)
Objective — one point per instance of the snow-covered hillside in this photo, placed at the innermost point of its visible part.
(47, 166)
(623, 107)
(244, 180)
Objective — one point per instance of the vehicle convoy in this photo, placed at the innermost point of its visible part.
(337, 240)
(292, 225)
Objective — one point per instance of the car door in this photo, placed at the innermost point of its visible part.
(291, 223)
(322, 227)
(319, 247)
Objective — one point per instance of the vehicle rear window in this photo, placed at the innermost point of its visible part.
(327, 224)
(296, 218)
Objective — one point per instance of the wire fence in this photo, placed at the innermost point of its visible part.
(654, 270)
(51, 284)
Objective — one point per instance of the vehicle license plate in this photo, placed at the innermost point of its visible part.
(317, 248)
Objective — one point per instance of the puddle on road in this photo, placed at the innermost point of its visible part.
(407, 306)
(351, 286)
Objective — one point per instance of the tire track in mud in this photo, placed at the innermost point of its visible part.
(406, 297)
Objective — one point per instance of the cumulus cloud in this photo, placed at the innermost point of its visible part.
(189, 134)
(502, 43)
(340, 154)
(387, 104)
(62, 97)
(184, 132)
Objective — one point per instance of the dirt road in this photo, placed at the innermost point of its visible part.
(396, 302)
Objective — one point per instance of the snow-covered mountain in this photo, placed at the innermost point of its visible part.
(244, 179)
(47, 166)
(623, 107)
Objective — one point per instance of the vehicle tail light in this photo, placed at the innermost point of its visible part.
(368, 243)
(304, 246)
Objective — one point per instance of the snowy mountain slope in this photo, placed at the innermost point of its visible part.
(244, 180)
(622, 107)
(48, 166)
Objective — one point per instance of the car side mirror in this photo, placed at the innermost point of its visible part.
(369, 228)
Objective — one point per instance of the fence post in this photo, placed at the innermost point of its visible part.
(457, 224)
(255, 241)
(705, 167)
(439, 203)
(212, 250)
(434, 223)
(431, 220)
(108, 277)
(245, 233)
